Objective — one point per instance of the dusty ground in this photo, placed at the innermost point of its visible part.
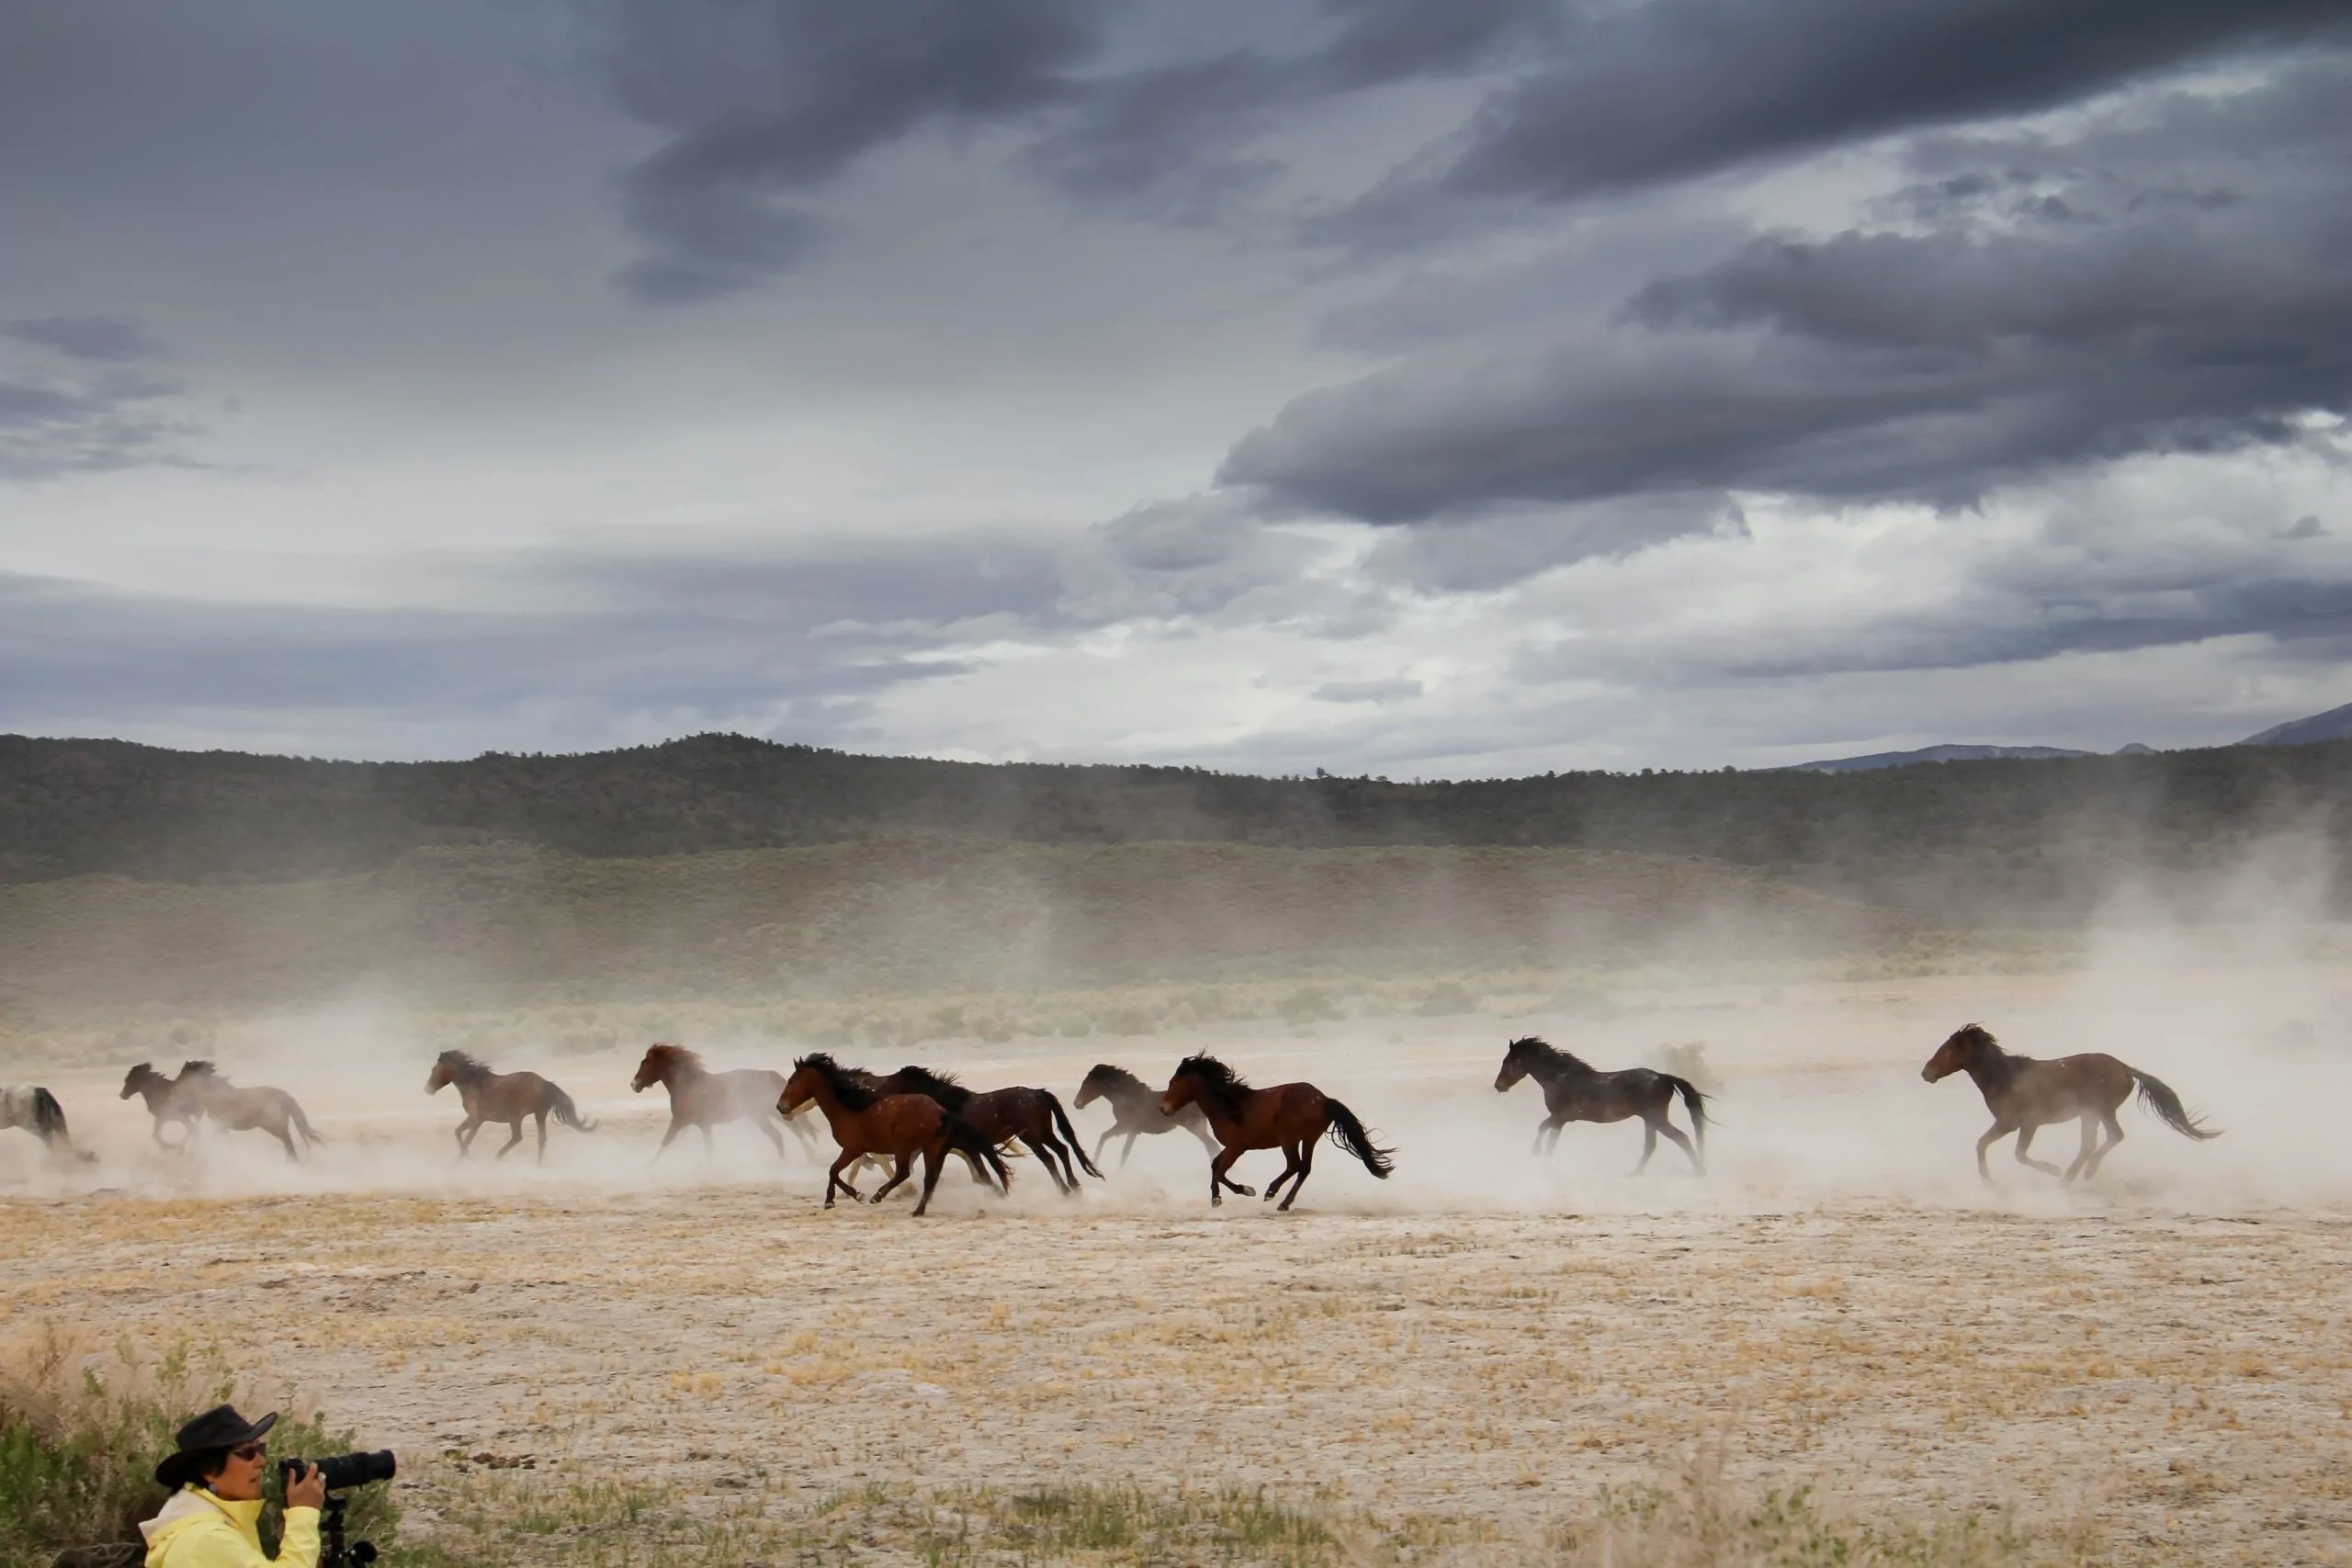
(1838, 1303)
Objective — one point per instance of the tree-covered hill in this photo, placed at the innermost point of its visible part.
(1955, 839)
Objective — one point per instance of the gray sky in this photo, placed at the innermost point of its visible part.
(1376, 385)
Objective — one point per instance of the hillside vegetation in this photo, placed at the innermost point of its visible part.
(1960, 840)
(907, 913)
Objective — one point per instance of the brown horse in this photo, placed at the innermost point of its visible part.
(892, 1126)
(1291, 1117)
(511, 1098)
(1574, 1091)
(1134, 1110)
(1003, 1115)
(168, 1101)
(701, 1099)
(2024, 1094)
(271, 1110)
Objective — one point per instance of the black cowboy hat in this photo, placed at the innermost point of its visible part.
(218, 1429)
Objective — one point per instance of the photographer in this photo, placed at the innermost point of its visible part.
(213, 1516)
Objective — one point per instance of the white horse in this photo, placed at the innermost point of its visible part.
(33, 1108)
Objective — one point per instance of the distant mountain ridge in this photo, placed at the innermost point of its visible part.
(1946, 753)
(2335, 724)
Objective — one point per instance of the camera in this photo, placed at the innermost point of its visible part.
(341, 1470)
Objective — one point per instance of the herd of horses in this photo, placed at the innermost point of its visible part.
(890, 1121)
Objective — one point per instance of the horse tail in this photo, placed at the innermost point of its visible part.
(301, 1123)
(1348, 1133)
(2159, 1098)
(964, 1139)
(565, 1112)
(1695, 1102)
(1077, 1145)
(48, 1121)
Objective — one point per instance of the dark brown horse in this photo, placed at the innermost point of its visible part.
(510, 1097)
(168, 1101)
(884, 1126)
(1574, 1091)
(1031, 1116)
(1291, 1117)
(2024, 1094)
(271, 1110)
(701, 1099)
(1134, 1110)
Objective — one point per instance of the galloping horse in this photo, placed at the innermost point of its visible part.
(1031, 1116)
(168, 1101)
(895, 1126)
(270, 1110)
(701, 1099)
(33, 1108)
(1135, 1111)
(1291, 1117)
(1574, 1091)
(2024, 1094)
(510, 1097)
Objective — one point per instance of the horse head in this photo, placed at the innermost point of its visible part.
(1204, 1079)
(1960, 1052)
(1099, 1080)
(137, 1078)
(451, 1066)
(1517, 1056)
(656, 1067)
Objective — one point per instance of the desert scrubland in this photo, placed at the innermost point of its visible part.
(696, 1357)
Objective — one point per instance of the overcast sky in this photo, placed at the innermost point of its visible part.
(1411, 387)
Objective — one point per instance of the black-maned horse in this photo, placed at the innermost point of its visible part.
(1031, 1116)
(1135, 1111)
(1575, 1091)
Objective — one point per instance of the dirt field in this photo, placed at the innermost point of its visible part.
(1839, 1303)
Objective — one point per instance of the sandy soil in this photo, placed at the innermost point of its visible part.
(1838, 1303)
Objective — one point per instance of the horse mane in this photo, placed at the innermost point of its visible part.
(462, 1064)
(201, 1069)
(852, 1095)
(941, 1086)
(1997, 1065)
(1117, 1077)
(1217, 1081)
(1551, 1056)
(678, 1054)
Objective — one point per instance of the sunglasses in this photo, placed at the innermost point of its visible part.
(250, 1451)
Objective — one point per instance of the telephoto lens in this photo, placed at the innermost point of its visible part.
(341, 1471)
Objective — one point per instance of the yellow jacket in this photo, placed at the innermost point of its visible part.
(196, 1529)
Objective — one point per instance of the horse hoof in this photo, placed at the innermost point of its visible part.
(1245, 1191)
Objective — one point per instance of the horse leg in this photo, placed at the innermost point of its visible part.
(677, 1127)
(1306, 1164)
(515, 1127)
(707, 1150)
(2114, 1136)
(1290, 1164)
(2025, 1141)
(1549, 1124)
(1048, 1148)
(466, 1131)
(543, 1135)
(1993, 1133)
(286, 1136)
(773, 1137)
(1666, 1129)
(833, 1178)
(906, 1169)
(1104, 1142)
(930, 1163)
(1649, 1144)
(1128, 1149)
(2090, 1144)
(1217, 1182)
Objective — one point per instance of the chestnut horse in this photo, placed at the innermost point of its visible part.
(270, 1110)
(1574, 1091)
(1134, 1110)
(1031, 1116)
(1291, 1117)
(511, 1098)
(2024, 1094)
(701, 1099)
(168, 1101)
(893, 1126)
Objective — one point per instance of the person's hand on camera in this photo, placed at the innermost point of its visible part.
(307, 1488)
